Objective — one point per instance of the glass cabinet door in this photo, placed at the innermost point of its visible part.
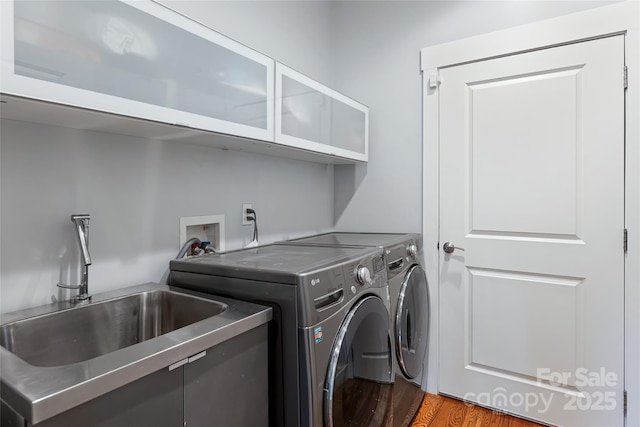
(138, 59)
(358, 385)
(412, 322)
(313, 117)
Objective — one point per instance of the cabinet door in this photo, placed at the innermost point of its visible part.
(151, 401)
(228, 385)
(138, 59)
(313, 117)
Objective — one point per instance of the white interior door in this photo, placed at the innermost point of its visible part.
(532, 197)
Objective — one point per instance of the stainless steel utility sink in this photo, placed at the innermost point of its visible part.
(59, 356)
(85, 332)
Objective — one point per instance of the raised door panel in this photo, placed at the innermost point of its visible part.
(525, 154)
(512, 333)
(137, 59)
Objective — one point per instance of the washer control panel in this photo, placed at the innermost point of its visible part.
(401, 256)
(325, 291)
(367, 272)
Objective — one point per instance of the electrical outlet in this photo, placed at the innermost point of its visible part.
(206, 228)
(246, 206)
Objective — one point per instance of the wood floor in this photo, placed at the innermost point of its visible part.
(440, 411)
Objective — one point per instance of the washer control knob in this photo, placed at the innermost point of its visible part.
(412, 250)
(363, 275)
(353, 290)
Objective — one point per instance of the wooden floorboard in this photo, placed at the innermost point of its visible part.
(441, 411)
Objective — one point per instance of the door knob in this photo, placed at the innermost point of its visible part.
(449, 247)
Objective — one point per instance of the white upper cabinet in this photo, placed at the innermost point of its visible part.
(314, 117)
(140, 68)
(138, 59)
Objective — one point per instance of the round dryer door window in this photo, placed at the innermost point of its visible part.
(358, 386)
(412, 322)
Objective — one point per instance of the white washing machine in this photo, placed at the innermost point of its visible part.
(330, 354)
(410, 310)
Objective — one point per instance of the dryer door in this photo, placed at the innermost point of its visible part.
(357, 389)
(412, 322)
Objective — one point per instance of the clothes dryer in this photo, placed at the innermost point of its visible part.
(330, 356)
(410, 310)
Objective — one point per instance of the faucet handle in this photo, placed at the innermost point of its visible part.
(62, 285)
(81, 222)
(81, 298)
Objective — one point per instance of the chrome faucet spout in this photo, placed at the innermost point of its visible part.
(82, 231)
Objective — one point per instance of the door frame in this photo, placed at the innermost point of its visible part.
(619, 18)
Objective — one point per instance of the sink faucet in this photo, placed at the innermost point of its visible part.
(81, 223)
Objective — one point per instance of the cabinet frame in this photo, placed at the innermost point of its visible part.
(31, 99)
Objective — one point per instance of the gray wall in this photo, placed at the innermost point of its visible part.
(296, 33)
(378, 58)
(136, 190)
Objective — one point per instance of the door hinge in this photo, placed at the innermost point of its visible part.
(434, 81)
(626, 77)
(625, 243)
(624, 402)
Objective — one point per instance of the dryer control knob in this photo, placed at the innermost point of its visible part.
(412, 250)
(363, 275)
